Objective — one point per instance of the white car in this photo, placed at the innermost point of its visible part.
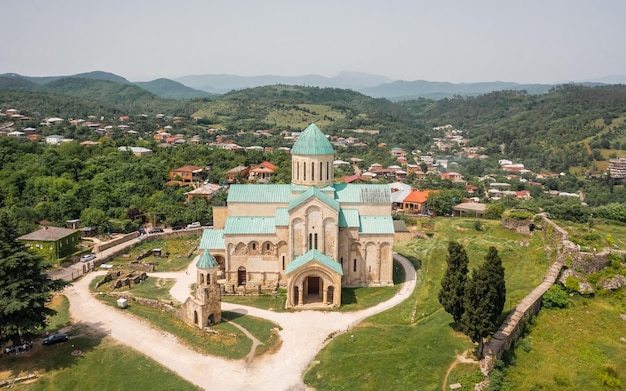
(87, 257)
(194, 225)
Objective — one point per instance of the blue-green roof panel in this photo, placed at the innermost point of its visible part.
(282, 217)
(312, 142)
(206, 261)
(260, 193)
(362, 193)
(349, 218)
(250, 225)
(314, 255)
(212, 239)
(314, 192)
(376, 225)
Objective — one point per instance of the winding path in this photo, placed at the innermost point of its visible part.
(303, 334)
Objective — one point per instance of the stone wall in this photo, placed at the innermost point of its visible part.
(565, 253)
(114, 242)
(558, 247)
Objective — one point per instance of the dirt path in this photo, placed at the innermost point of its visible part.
(280, 371)
(460, 358)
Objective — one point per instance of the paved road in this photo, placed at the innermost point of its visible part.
(303, 334)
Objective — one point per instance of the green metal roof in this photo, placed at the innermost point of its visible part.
(282, 217)
(206, 261)
(376, 225)
(260, 194)
(212, 239)
(349, 218)
(314, 255)
(312, 142)
(250, 225)
(362, 193)
(314, 192)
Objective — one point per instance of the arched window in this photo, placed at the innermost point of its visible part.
(354, 265)
(315, 244)
(321, 176)
(310, 241)
(201, 278)
(312, 171)
(327, 170)
(304, 170)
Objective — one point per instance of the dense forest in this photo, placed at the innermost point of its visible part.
(572, 130)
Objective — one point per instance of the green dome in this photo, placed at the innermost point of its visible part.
(312, 142)
(206, 261)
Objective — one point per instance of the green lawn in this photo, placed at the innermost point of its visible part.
(103, 365)
(176, 248)
(412, 345)
(576, 348)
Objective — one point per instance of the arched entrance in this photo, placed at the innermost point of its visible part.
(195, 317)
(210, 320)
(313, 290)
(241, 276)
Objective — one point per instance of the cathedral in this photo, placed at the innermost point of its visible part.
(311, 237)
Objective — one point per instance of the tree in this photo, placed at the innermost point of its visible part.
(485, 295)
(453, 283)
(24, 287)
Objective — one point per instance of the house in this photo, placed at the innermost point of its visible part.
(262, 172)
(52, 242)
(452, 176)
(207, 190)
(237, 174)
(617, 169)
(137, 151)
(188, 174)
(416, 202)
(310, 237)
(472, 209)
(398, 152)
(55, 139)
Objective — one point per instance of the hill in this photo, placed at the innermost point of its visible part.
(169, 89)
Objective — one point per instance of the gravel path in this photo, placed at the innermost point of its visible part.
(303, 334)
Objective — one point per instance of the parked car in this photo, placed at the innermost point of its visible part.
(178, 227)
(208, 224)
(87, 257)
(194, 225)
(55, 338)
(156, 230)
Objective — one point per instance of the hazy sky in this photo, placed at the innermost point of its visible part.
(540, 41)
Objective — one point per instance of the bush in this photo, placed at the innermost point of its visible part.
(555, 297)
(572, 284)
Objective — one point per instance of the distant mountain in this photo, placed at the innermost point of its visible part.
(7, 81)
(405, 90)
(220, 84)
(95, 75)
(169, 89)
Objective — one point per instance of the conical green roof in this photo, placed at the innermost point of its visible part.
(312, 142)
(206, 261)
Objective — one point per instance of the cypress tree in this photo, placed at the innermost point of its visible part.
(485, 295)
(453, 282)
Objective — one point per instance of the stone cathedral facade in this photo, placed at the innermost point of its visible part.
(310, 237)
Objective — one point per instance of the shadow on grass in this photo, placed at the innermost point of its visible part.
(84, 337)
(232, 315)
(348, 296)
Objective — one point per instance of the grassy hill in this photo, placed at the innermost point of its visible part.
(169, 89)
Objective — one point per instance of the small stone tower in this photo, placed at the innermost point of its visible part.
(204, 308)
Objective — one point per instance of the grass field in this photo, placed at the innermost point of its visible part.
(102, 365)
(577, 348)
(177, 249)
(411, 346)
(595, 237)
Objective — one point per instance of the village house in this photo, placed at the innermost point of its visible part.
(188, 174)
(262, 172)
(52, 242)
